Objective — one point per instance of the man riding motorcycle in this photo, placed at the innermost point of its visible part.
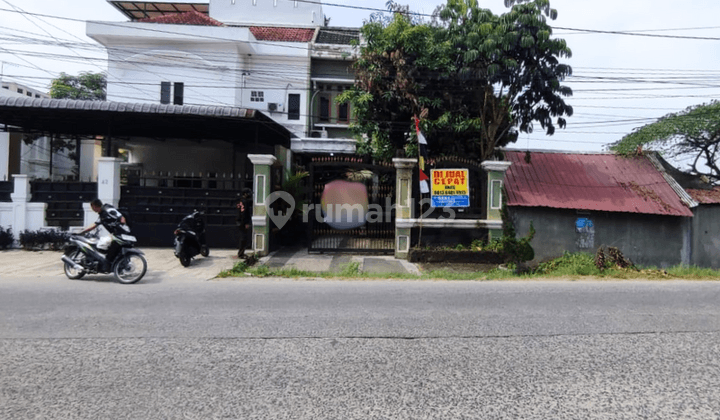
(114, 222)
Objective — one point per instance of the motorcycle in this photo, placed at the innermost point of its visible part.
(190, 238)
(82, 256)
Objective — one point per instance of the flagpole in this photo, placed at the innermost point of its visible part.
(422, 176)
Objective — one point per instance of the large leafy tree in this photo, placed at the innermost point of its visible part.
(691, 135)
(477, 78)
(85, 86)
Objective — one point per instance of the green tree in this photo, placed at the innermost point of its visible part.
(477, 78)
(692, 134)
(86, 86)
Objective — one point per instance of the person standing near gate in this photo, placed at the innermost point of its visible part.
(244, 220)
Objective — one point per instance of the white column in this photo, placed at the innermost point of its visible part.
(90, 152)
(109, 180)
(4, 156)
(25, 215)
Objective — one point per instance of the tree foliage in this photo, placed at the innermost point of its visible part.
(86, 86)
(692, 134)
(476, 78)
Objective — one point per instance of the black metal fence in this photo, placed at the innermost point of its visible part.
(6, 188)
(155, 203)
(377, 234)
(64, 200)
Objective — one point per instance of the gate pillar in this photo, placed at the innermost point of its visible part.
(404, 205)
(109, 180)
(496, 174)
(108, 187)
(5, 153)
(90, 153)
(21, 214)
(261, 190)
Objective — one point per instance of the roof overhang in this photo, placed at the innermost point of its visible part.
(64, 117)
(135, 10)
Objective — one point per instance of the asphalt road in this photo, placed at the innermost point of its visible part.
(286, 349)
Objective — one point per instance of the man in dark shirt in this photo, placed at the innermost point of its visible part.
(114, 222)
(244, 221)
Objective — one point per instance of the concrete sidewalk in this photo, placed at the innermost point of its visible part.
(299, 258)
(162, 263)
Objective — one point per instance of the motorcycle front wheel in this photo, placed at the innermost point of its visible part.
(130, 269)
(71, 273)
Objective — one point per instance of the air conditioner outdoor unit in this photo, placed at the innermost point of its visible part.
(272, 106)
(319, 134)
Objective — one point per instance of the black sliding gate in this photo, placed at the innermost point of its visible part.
(327, 202)
(156, 203)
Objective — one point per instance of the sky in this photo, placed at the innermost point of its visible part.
(633, 60)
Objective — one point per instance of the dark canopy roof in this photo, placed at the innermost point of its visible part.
(147, 9)
(124, 120)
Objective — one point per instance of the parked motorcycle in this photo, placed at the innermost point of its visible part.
(82, 256)
(190, 238)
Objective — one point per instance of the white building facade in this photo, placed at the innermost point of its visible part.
(255, 54)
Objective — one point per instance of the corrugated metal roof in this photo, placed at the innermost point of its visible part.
(136, 10)
(144, 108)
(601, 182)
(148, 120)
(711, 196)
(269, 33)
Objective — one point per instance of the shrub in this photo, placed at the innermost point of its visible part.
(6, 238)
(570, 264)
(42, 239)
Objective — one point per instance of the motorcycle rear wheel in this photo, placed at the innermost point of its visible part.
(71, 273)
(184, 260)
(130, 269)
(204, 251)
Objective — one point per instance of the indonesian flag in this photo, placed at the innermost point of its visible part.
(422, 157)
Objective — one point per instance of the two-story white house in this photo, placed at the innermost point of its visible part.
(275, 56)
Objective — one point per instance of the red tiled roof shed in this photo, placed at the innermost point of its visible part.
(187, 18)
(266, 33)
(261, 33)
(601, 182)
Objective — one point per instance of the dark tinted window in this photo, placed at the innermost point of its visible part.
(293, 106)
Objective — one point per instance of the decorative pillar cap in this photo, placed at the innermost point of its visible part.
(262, 159)
(493, 165)
(402, 163)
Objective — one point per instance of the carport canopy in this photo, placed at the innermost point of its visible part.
(64, 117)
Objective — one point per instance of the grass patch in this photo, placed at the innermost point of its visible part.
(570, 265)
